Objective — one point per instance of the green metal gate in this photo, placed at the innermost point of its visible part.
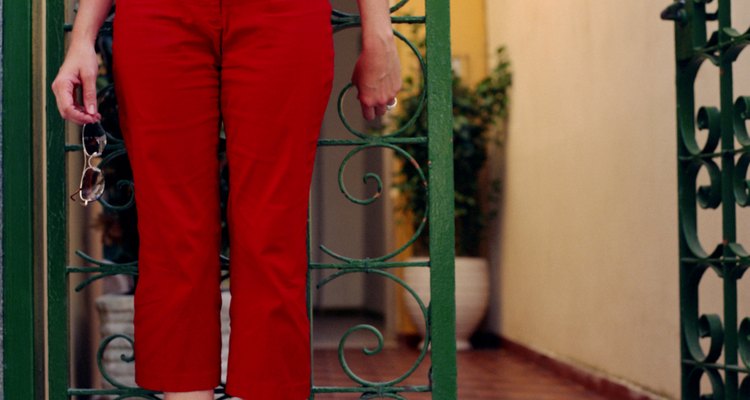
(439, 313)
(715, 349)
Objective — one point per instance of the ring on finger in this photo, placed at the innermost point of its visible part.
(392, 105)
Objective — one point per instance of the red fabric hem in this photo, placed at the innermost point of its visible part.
(186, 382)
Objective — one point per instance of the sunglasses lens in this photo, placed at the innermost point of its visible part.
(94, 138)
(92, 184)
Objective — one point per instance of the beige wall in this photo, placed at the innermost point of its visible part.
(586, 248)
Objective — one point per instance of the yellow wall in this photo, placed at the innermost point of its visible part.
(587, 267)
(468, 36)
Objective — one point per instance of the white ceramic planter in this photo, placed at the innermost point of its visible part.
(116, 317)
(472, 295)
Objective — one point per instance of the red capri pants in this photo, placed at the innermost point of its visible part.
(264, 67)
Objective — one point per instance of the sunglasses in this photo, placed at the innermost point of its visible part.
(93, 140)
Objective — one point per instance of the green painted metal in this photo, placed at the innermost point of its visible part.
(439, 315)
(441, 201)
(57, 235)
(20, 367)
(725, 157)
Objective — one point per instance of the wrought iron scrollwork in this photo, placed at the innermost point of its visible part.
(120, 196)
(102, 269)
(343, 20)
(344, 265)
(125, 358)
(724, 360)
(121, 390)
(342, 187)
(693, 382)
(706, 326)
(744, 341)
(369, 328)
(741, 115)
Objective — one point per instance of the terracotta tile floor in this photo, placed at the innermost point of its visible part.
(482, 374)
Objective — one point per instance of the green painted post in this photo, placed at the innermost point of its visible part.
(57, 243)
(20, 368)
(441, 200)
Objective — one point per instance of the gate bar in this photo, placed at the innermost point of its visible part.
(19, 364)
(441, 200)
(57, 237)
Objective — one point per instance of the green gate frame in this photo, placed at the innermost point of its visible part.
(726, 165)
(24, 361)
(21, 363)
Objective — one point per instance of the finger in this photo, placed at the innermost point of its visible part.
(79, 109)
(89, 91)
(368, 112)
(380, 110)
(65, 102)
(59, 104)
(77, 115)
(96, 116)
(65, 95)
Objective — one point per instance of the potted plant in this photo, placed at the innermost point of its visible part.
(478, 115)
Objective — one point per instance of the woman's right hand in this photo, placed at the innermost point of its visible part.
(81, 67)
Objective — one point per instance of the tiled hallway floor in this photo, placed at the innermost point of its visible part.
(482, 375)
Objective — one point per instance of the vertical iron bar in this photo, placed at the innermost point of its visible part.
(57, 239)
(684, 99)
(309, 292)
(728, 203)
(441, 200)
(19, 368)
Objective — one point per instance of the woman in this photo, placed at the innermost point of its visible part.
(265, 69)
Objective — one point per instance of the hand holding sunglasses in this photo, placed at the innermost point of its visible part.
(93, 140)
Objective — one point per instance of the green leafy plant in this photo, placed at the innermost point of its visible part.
(478, 115)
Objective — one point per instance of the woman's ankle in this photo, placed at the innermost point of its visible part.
(195, 395)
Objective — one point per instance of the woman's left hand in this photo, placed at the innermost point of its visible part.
(377, 74)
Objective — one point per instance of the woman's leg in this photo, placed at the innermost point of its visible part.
(198, 395)
(276, 77)
(166, 55)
